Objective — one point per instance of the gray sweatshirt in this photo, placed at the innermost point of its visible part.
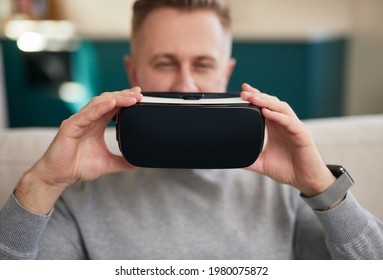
(188, 214)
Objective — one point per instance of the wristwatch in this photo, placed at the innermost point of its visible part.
(336, 191)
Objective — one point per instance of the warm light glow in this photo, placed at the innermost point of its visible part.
(60, 29)
(31, 42)
(72, 92)
(14, 28)
(41, 35)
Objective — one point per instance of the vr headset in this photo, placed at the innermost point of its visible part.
(190, 130)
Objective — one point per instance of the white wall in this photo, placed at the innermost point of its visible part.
(100, 18)
(3, 107)
(288, 18)
(365, 84)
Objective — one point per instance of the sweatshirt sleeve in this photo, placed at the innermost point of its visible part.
(351, 231)
(20, 231)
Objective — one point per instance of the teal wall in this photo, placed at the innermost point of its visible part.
(308, 75)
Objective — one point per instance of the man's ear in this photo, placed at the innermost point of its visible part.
(230, 68)
(131, 70)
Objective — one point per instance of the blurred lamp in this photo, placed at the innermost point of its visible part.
(42, 35)
(31, 42)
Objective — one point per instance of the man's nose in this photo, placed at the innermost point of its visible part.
(184, 82)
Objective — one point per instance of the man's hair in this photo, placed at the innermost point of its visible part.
(142, 8)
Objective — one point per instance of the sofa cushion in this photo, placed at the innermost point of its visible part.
(355, 142)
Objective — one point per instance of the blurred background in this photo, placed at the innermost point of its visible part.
(324, 57)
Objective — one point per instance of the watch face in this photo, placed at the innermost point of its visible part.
(338, 170)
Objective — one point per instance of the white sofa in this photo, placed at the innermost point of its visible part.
(355, 142)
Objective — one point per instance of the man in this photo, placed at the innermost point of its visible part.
(182, 214)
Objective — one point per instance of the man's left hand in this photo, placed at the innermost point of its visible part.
(290, 155)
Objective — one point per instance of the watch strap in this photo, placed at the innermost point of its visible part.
(334, 192)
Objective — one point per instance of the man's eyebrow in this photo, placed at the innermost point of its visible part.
(162, 55)
(173, 57)
(206, 57)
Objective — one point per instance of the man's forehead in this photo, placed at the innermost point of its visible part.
(168, 31)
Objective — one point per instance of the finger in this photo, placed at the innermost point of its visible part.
(117, 95)
(253, 91)
(99, 111)
(99, 116)
(88, 117)
(129, 90)
(273, 105)
(249, 88)
(136, 91)
(292, 124)
(264, 100)
(76, 125)
(249, 92)
(120, 99)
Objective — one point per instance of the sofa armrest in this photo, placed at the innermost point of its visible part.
(357, 143)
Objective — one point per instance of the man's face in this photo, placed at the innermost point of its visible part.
(181, 51)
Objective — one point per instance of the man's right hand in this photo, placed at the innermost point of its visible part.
(77, 153)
